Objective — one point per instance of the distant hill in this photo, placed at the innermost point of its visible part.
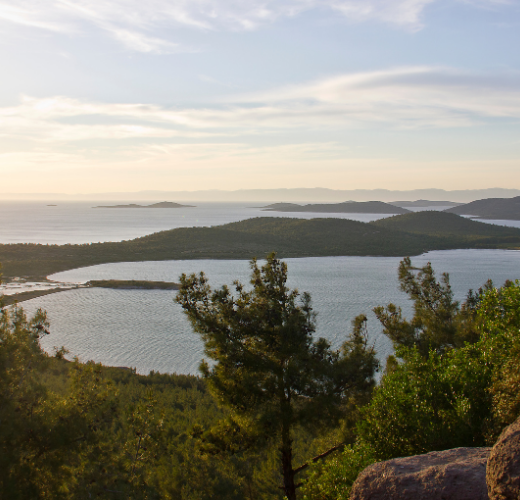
(401, 235)
(282, 207)
(491, 208)
(444, 224)
(347, 207)
(162, 204)
(424, 203)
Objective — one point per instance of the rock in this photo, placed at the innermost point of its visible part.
(503, 469)
(458, 474)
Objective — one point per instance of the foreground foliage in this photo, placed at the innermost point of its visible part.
(268, 371)
(454, 380)
(71, 430)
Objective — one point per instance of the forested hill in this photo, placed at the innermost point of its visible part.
(445, 224)
(347, 207)
(402, 235)
(491, 208)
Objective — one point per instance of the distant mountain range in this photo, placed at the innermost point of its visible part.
(491, 208)
(347, 207)
(303, 195)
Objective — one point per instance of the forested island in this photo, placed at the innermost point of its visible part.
(162, 204)
(424, 203)
(347, 207)
(409, 234)
(491, 208)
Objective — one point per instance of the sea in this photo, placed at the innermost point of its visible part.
(147, 330)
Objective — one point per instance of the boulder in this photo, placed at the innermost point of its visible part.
(503, 469)
(458, 474)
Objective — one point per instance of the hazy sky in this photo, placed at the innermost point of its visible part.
(125, 95)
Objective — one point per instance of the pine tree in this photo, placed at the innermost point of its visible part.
(266, 368)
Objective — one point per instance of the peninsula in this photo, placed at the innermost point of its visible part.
(491, 208)
(401, 235)
(347, 207)
(133, 284)
(7, 300)
(162, 204)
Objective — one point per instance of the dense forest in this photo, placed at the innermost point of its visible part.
(491, 208)
(72, 430)
(409, 234)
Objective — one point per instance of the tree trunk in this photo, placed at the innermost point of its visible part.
(287, 469)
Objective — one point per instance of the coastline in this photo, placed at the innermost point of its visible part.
(9, 300)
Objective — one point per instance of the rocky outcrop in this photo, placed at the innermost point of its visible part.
(503, 469)
(458, 474)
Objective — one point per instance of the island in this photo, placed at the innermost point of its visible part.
(424, 203)
(162, 204)
(490, 208)
(401, 235)
(347, 207)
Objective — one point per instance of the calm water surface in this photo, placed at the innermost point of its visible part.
(147, 330)
(79, 222)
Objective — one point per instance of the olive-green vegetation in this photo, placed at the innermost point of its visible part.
(268, 371)
(134, 284)
(409, 234)
(454, 380)
(271, 399)
(447, 226)
(70, 430)
(491, 208)
(78, 431)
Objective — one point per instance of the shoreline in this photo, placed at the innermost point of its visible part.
(9, 300)
(16, 298)
(403, 235)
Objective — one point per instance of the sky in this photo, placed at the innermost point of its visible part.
(126, 95)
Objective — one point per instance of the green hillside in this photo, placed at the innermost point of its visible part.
(491, 208)
(409, 234)
(445, 224)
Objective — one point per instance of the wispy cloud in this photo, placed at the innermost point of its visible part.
(140, 42)
(412, 97)
(135, 23)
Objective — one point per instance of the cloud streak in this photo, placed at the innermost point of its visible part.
(135, 23)
(399, 98)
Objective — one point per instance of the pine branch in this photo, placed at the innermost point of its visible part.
(319, 457)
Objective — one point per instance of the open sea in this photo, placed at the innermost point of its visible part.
(146, 330)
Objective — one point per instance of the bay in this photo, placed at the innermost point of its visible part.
(147, 330)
